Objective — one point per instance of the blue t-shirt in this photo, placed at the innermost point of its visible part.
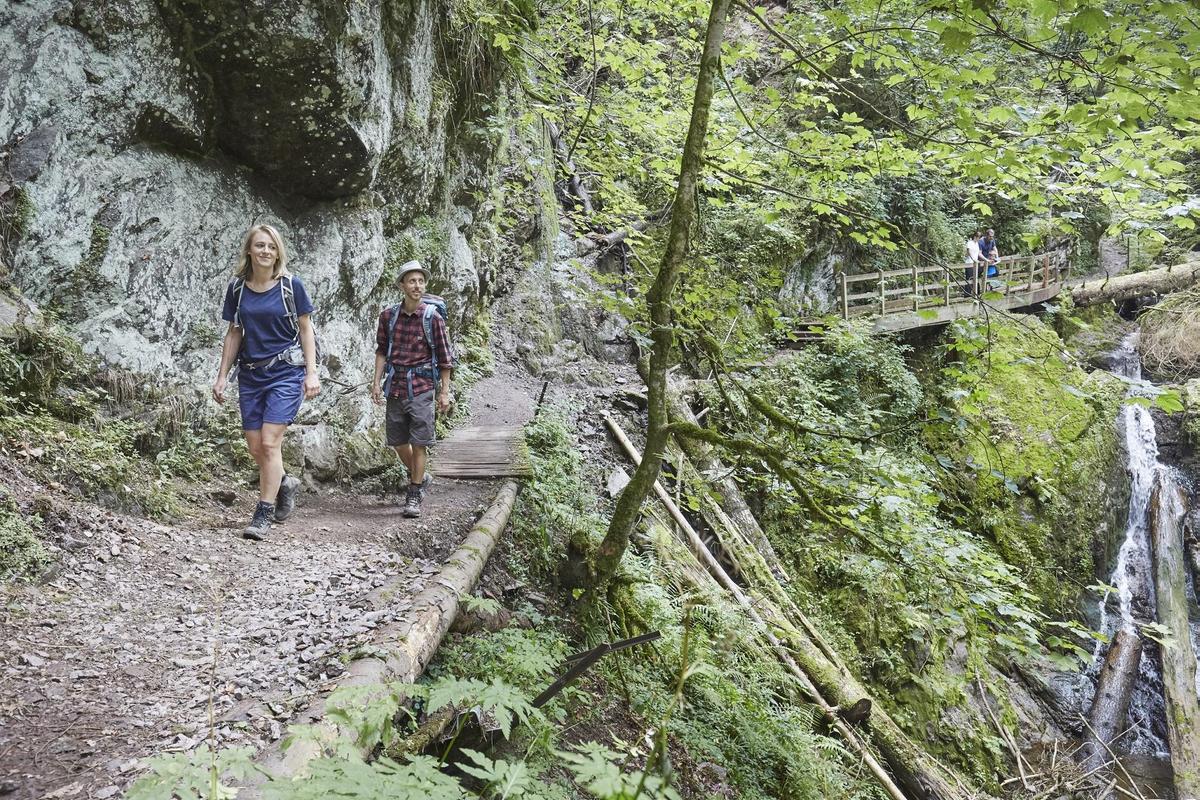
(266, 329)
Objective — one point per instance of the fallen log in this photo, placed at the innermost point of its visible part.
(1114, 691)
(1178, 658)
(734, 506)
(761, 564)
(600, 242)
(407, 645)
(1138, 284)
(574, 183)
(919, 775)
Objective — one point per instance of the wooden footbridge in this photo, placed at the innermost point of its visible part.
(902, 299)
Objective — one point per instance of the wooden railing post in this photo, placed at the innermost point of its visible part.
(946, 285)
(1032, 267)
(882, 294)
(1045, 270)
(975, 279)
(916, 298)
(842, 289)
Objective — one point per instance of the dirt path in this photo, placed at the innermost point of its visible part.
(118, 657)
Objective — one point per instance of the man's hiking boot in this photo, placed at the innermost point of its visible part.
(412, 503)
(261, 523)
(426, 483)
(289, 487)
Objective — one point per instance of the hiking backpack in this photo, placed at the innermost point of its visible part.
(431, 304)
(289, 305)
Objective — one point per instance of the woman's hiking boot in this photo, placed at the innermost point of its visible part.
(289, 487)
(412, 503)
(261, 523)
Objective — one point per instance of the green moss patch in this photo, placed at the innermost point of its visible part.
(22, 554)
(1029, 442)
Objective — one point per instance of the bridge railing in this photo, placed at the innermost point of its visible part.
(917, 288)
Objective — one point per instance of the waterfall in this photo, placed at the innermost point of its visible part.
(1132, 577)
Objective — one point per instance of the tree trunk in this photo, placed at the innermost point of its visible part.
(408, 644)
(1178, 658)
(1114, 690)
(1138, 284)
(658, 302)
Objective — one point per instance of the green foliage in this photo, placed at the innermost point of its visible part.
(596, 769)
(22, 554)
(518, 656)
(424, 239)
(199, 775)
(889, 529)
(44, 366)
(556, 505)
(1027, 440)
(738, 707)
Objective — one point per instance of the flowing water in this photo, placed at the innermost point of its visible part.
(1132, 577)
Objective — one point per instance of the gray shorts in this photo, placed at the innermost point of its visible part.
(410, 421)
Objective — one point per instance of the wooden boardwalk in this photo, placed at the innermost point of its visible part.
(918, 297)
(484, 451)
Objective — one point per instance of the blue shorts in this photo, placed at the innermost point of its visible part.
(272, 397)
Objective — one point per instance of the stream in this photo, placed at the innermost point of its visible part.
(1130, 602)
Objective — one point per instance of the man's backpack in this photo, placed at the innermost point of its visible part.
(289, 304)
(431, 304)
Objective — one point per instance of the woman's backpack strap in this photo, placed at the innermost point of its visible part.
(289, 302)
(236, 286)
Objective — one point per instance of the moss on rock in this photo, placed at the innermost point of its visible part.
(1034, 441)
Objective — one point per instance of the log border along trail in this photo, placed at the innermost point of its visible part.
(408, 645)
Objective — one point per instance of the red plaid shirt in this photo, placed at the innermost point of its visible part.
(410, 348)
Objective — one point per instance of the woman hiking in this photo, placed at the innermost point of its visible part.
(271, 338)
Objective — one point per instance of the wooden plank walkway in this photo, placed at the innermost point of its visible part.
(484, 451)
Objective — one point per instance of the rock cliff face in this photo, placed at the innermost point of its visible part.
(140, 138)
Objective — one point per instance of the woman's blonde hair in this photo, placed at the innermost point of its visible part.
(245, 268)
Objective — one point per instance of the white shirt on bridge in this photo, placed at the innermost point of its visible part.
(973, 254)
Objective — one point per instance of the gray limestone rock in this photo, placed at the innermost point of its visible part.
(143, 137)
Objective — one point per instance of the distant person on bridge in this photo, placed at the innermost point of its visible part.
(413, 365)
(271, 338)
(987, 248)
(974, 261)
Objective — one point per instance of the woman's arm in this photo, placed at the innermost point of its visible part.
(229, 351)
(308, 343)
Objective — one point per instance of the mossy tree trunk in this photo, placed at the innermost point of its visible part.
(1178, 658)
(1114, 691)
(683, 218)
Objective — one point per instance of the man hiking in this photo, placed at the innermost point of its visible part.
(413, 364)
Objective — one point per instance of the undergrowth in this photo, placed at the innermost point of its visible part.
(931, 535)
(106, 433)
(21, 552)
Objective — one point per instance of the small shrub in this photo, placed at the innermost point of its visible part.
(22, 554)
